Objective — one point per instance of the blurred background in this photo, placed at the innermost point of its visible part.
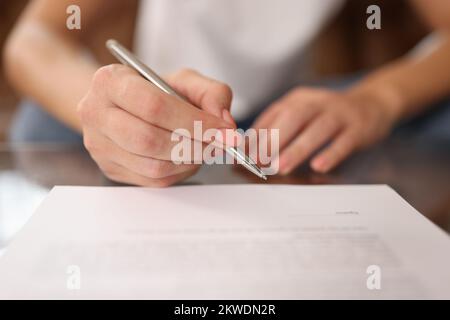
(342, 47)
(9, 11)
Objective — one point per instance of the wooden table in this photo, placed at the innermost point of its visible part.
(418, 172)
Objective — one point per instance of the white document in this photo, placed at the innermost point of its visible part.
(227, 242)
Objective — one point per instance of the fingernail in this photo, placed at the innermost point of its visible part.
(226, 115)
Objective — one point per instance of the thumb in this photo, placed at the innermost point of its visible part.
(205, 93)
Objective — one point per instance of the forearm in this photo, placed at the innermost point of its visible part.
(50, 69)
(411, 84)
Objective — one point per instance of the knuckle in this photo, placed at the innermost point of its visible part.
(144, 141)
(154, 106)
(110, 171)
(156, 170)
(147, 143)
(111, 175)
(127, 85)
(87, 111)
(103, 74)
(84, 111)
(94, 148)
(163, 183)
(224, 90)
(185, 72)
(151, 101)
(88, 143)
(121, 74)
(182, 74)
(222, 87)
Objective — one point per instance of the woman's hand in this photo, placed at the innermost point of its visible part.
(127, 122)
(310, 119)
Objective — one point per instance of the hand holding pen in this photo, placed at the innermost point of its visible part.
(127, 122)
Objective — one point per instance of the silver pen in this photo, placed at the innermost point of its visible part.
(127, 58)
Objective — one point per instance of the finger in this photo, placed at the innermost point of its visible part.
(289, 115)
(138, 137)
(106, 150)
(289, 123)
(292, 121)
(126, 89)
(258, 141)
(304, 96)
(331, 156)
(117, 173)
(203, 92)
(312, 138)
(267, 117)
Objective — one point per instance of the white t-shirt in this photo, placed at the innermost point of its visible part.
(255, 46)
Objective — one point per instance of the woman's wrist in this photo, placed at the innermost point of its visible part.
(386, 97)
